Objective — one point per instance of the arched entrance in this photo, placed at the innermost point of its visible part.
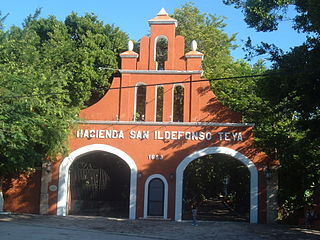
(219, 186)
(64, 175)
(218, 150)
(99, 185)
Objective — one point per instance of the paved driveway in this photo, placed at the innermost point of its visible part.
(36, 227)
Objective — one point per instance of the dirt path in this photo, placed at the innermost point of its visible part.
(81, 227)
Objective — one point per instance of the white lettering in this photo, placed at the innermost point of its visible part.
(187, 135)
(180, 134)
(158, 135)
(240, 137)
(227, 136)
(230, 136)
(79, 133)
(139, 135)
(108, 133)
(132, 134)
(136, 134)
(86, 134)
(201, 136)
(208, 136)
(167, 135)
(114, 134)
(101, 134)
(195, 135)
(92, 133)
(121, 135)
(220, 135)
(145, 135)
(174, 135)
(155, 157)
(234, 135)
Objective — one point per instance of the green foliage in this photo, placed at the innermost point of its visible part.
(49, 70)
(207, 30)
(242, 94)
(294, 121)
(289, 129)
(205, 179)
(161, 53)
(32, 129)
(265, 15)
(2, 19)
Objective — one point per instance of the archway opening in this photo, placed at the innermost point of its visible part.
(219, 185)
(161, 52)
(178, 103)
(99, 185)
(159, 103)
(141, 93)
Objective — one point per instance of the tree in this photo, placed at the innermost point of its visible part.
(265, 15)
(85, 46)
(49, 70)
(96, 46)
(290, 128)
(207, 30)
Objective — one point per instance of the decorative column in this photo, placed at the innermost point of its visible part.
(46, 176)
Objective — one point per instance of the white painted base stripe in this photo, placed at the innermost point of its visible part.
(191, 124)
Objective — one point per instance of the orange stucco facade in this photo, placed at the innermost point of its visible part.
(159, 148)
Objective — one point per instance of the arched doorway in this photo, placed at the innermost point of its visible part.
(156, 197)
(218, 150)
(99, 185)
(64, 175)
(219, 186)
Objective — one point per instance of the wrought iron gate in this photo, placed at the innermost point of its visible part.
(89, 188)
(89, 184)
(99, 185)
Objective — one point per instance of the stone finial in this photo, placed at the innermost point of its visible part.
(194, 58)
(163, 18)
(130, 45)
(194, 45)
(162, 12)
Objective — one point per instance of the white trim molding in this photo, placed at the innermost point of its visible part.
(64, 176)
(191, 124)
(218, 150)
(161, 72)
(146, 195)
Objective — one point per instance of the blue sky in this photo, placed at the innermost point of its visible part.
(132, 17)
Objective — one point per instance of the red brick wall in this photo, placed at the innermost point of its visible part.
(22, 194)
